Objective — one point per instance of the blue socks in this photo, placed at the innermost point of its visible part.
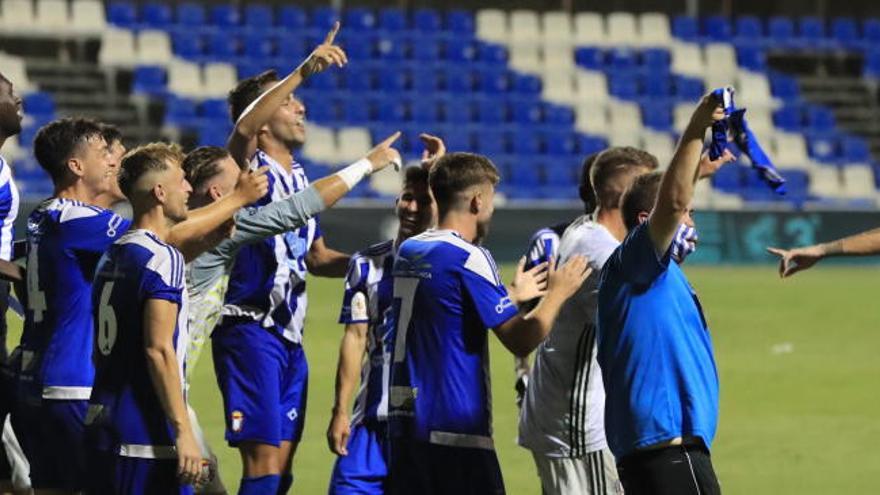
(286, 483)
(260, 485)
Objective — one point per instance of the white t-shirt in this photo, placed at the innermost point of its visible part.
(563, 411)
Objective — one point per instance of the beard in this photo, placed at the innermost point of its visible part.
(482, 232)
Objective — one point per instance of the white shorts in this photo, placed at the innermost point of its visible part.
(592, 474)
(20, 468)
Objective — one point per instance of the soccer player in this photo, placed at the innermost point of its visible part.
(259, 339)
(359, 439)
(561, 421)
(794, 260)
(447, 293)
(10, 125)
(139, 301)
(544, 246)
(654, 348)
(113, 198)
(212, 173)
(67, 234)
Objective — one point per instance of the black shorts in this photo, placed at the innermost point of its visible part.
(676, 470)
(430, 469)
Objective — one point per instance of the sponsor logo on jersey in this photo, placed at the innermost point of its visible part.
(503, 304)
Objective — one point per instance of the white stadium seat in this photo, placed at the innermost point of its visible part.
(589, 29)
(218, 77)
(687, 59)
(760, 120)
(858, 181)
(526, 57)
(591, 119)
(558, 57)
(185, 79)
(753, 90)
(321, 145)
(661, 145)
(654, 30)
(14, 70)
(154, 47)
(353, 143)
(789, 150)
(825, 182)
(18, 16)
(720, 65)
(681, 115)
(559, 88)
(492, 25)
(621, 29)
(52, 16)
(592, 86)
(117, 48)
(524, 26)
(625, 117)
(88, 17)
(556, 28)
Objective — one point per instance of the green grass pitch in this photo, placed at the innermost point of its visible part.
(798, 363)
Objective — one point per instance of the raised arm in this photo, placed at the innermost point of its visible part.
(523, 333)
(242, 141)
(677, 187)
(794, 260)
(160, 320)
(351, 355)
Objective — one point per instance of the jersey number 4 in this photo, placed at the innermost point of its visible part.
(106, 321)
(36, 300)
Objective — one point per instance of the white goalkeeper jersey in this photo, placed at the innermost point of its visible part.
(564, 406)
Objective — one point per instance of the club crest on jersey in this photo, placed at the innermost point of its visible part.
(237, 420)
(296, 244)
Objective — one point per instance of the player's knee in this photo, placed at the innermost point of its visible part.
(259, 459)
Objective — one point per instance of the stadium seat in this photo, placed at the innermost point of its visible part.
(357, 111)
(149, 81)
(321, 145)
(526, 142)
(592, 86)
(718, 28)
(52, 16)
(687, 59)
(556, 58)
(222, 46)
(258, 45)
(354, 143)
(526, 25)
(491, 142)
(845, 32)
(589, 29)
(191, 14)
(154, 47)
(820, 119)
(18, 16)
(788, 118)
(823, 148)
(657, 116)
(225, 16)
(592, 119)
(871, 32)
(117, 48)
(790, 150)
(557, 28)
(492, 54)
(391, 19)
(88, 17)
(218, 77)
(180, 113)
(424, 111)
(624, 118)
(720, 64)
(811, 30)
(185, 79)
(292, 18)
(855, 150)
(187, 44)
(780, 31)
(39, 105)
(749, 30)
(784, 87)
(121, 14)
(259, 16)
(621, 29)
(426, 21)
(654, 29)
(215, 109)
(461, 22)
(559, 89)
(753, 90)
(661, 145)
(685, 28)
(752, 58)
(156, 15)
(527, 112)
(359, 19)
(491, 25)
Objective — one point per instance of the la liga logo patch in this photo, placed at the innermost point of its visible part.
(237, 420)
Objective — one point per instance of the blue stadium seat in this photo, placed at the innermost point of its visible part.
(391, 48)
(588, 145)
(259, 16)
(749, 30)
(823, 147)
(718, 28)
(656, 60)
(562, 143)
(357, 111)
(359, 78)
(122, 14)
(492, 53)
(784, 87)
(222, 46)
(495, 81)
(258, 44)
(292, 17)
(190, 14)
(460, 50)
(425, 80)
(657, 116)
(426, 20)
(215, 109)
(359, 19)
(788, 118)
(460, 22)
(424, 111)
(526, 142)
(560, 173)
(225, 16)
(180, 112)
(524, 173)
(812, 30)
(558, 115)
(780, 30)
(871, 32)
(459, 80)
(248, 68)
(623, 86)
(148, 80)
(621, 59)
(358, 47)
(325, 81)
(492, 111)
(292, 47)
(655, 87)
(325, 112)
(751, 57)
(872, 63)
(39, 105)
(685, 28)
(845, 31)
(688, 88)
(457, 110)
(391, 19)
(426, 48)
(729, 178)
(457, 139)
(820, 119)
(324, 17)
(393, 81)
(855, 150)
(187, 44)
(590, 58)
(490, 142)
(527, 112)
(156, 16)
(213, 134)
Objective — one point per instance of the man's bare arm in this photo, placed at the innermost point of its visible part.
(351, 356)
(325, 262)
(794, 260)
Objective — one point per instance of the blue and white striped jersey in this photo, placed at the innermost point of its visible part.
(268, 280)
(367, 299)
(8, 209)
(447, 295)
(124, 405)
(65, 240)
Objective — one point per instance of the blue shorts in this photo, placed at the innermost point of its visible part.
(429, 469)
(365, 469)
(112, 473)
(53, 438)
(264, 382)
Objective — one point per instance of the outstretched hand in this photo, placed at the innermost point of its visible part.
(567, 279)
(794, 260)
(383, 154)
(708, 167)
(528, 284)
(325, 55)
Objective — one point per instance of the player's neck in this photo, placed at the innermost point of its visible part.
(154, 220)
(278, 152)
(76, 191)
(613, 221)
(462, 223)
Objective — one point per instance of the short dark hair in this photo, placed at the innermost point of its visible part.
(248, 90)
(585, 189)
(414, 176)
(611, 166)
(200, 164)
(58, 140)
(111, 133)
(454, 173)
(640, 197)
(144, 159)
